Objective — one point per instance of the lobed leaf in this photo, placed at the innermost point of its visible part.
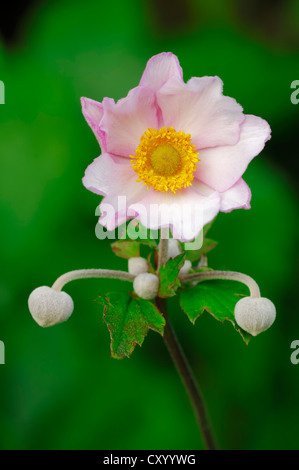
(128, 319)
(168, 274)
(218, 297)
(126, 248)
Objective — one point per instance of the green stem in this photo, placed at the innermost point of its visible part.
(226, 275)
(89, 273)
(163, 246)
(185, 372)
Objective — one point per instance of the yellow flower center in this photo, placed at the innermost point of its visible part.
(165, 159)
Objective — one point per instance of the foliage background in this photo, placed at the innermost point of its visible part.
(59, 387)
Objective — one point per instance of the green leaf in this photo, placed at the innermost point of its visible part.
(152, 242)
(128, 320)
(208, 245)
(217, 297)
(168, 274)
(133, 230)
(129, 248)
(151, 259)
(126, 248)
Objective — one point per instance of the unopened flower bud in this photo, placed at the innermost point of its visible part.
(146, 285)
(173, 248)
(137, 266)
(186, 267)
(255, 314)
(49, 307)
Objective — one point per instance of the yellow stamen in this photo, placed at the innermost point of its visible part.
(165, 159)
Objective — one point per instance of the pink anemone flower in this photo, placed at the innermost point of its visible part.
(175, 151)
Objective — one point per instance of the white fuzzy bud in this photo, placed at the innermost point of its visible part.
(185, 268)
(255, 314)
(49, 307)
(137, 266)
(146, 285)
(173, 248)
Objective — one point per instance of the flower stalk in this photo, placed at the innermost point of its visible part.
(162, 255)
(182, 365)
(226, 275)
(90, 273)
(177, 354)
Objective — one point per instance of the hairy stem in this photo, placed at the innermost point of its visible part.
(163, 247)
(185, 372)
(88, 273)
(226, 275)
(179, 358)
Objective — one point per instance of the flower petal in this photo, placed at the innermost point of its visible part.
(109, 176)
(200, 109)
(186, 212)
(115, 179)
(236, 197)
(124, 122)
(93, 113)
(159, 69)
(222, 167)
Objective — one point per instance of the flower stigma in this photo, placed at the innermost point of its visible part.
(165, 159)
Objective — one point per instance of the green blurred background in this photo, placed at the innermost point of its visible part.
(59, 388)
